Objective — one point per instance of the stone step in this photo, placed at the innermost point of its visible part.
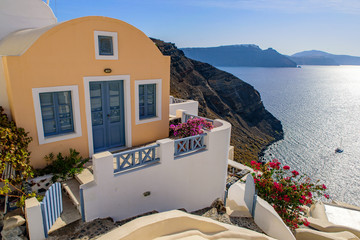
(85, 176)
(234, 210)
(72, 189)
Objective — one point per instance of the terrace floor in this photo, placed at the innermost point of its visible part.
(343, 216)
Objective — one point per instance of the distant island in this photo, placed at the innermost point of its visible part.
(315, 57)
(248, 55)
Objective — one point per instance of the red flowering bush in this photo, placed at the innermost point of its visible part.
(191, 127)
(287, 191)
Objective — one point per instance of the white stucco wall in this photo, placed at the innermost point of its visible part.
(190, 106)
(237, 193)
(192, 182)
(34, 219)
(4, 100)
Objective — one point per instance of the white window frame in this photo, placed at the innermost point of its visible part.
(75, 108)
(115, 45)
(158, 83)
(127, 107)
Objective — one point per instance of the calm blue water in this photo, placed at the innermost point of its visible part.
(319, 107)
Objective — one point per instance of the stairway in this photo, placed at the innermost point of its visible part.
(72, 186)
(71, 200)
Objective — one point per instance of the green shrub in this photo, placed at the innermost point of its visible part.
(63, 167)
(14, 152)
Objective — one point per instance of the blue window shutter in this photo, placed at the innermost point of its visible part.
(56, 112)
(147, 101)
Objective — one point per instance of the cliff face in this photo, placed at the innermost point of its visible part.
(222, 95)
(239, 55)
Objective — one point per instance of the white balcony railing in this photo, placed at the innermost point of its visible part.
(190, 106)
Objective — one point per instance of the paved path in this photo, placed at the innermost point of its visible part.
(93, 230)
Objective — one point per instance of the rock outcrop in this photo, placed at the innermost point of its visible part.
(222, 95)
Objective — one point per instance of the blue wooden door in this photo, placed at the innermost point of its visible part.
(107, 114)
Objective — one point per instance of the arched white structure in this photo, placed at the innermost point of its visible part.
(23, 14)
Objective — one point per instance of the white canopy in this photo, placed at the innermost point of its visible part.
(23, 14)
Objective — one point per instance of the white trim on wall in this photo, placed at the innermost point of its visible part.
(127, 107)
(75, 108)
(114, 41)
(158, 100)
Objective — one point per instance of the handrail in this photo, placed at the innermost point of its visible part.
(189, 144)
(177, 100)
(135, 158)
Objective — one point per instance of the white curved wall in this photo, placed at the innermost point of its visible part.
(270, 222)
(237, 193)
(24, 14)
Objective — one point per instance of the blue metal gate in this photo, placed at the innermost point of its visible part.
(51, 206)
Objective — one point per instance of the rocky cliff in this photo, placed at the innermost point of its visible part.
(248, 55)
(222, 95)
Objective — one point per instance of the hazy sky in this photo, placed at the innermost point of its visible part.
(289, 26)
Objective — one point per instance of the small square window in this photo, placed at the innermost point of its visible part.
(106, 45)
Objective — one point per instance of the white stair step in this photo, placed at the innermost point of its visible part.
(234, 210)
(72, 189)
(84, 177)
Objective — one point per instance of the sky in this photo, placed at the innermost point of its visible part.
(289, 26)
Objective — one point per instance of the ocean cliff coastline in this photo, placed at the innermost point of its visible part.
(246, 55)
(222, 95)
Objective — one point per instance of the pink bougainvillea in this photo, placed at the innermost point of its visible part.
(192, 127)
(288, 192)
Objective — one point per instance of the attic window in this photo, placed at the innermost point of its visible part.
(106, 45)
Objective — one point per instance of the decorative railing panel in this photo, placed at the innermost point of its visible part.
(177, 100)
(51, 206)
(135, 158)
(190, 116)
(189, 144)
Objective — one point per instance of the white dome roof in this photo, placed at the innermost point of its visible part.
(23, 14)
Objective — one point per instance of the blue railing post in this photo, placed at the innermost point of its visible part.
(82, 202)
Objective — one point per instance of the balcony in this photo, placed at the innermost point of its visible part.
(170, 174)
(190, 106)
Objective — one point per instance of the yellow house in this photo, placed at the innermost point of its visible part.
(92, 84)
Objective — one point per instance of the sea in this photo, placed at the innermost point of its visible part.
(319, 108)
